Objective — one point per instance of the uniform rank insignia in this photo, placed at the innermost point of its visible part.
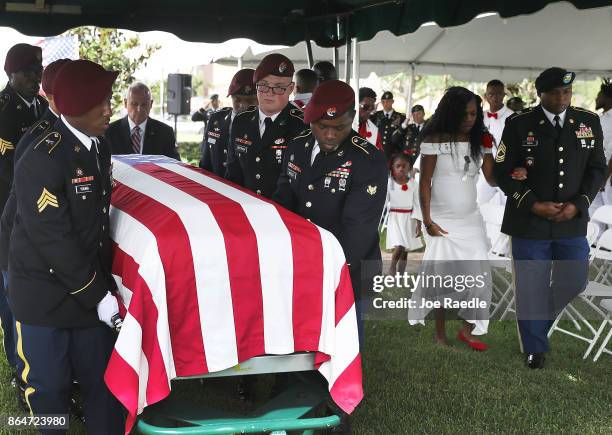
(501, 153)
(5, 146)
(46, 198)
(372, 190)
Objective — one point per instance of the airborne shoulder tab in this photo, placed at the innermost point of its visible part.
(360, 143)
(49, 142)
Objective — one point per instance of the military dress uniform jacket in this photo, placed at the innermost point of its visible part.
(8, 215)
(344, 193)
(60, 251)
(15, 119)
(254, 161)
(386, 127)
(216, 138)
(569, 168)
(405, 141)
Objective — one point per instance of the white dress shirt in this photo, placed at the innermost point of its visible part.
(82, 137)
(496, 125)
(606, 127)
(262, 121)
(551, 116)
(142, 126)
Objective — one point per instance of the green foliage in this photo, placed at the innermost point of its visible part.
(114, 50)
(189, 152)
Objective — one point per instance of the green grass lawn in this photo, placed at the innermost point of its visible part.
(414, 386)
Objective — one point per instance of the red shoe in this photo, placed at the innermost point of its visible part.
(476, 345)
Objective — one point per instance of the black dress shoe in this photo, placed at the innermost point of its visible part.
(535, 360)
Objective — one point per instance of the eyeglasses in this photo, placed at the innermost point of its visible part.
(276, 90)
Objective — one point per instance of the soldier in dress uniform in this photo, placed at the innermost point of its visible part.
(388, 120)
(547, 211)
(260, 136)
(20, 107)
(217, 133)
(335, 178)
(404, 138)
(367, 129)
(61, 253)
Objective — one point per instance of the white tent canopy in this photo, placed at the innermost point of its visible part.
(487, 47)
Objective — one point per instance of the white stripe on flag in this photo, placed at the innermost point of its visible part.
(211, 271)
(275, 259)
(139, 243)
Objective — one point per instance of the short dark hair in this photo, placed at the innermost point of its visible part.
(306, 79)
(606, 87)
(366, 92)
(495, 82)
(325, 71)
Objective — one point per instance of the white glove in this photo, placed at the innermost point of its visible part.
(107, 308)
(405, 123)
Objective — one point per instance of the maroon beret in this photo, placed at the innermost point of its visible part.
(20, 56)
(330, 100)
(242, 83)
(80, 85)
(274, 64)
(49, 74)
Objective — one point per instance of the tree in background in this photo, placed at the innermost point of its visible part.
(114, 50)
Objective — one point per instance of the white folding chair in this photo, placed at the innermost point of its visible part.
(384, 219)
(606, 304)
(499, 259)
(603, 215)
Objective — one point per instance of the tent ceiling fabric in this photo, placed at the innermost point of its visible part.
(284, 22)
(487, 47)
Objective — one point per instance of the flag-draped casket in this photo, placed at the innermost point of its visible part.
(211, 275)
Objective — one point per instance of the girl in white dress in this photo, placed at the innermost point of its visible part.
(454, 149)
(403, 231)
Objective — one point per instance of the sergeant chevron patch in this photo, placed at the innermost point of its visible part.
(5, 146)
(501, 153)
(46, 198)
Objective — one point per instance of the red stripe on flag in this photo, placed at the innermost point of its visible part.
(242, 258)
(181, 293)
(345, 297)
(143, 309)
(347, 391)
(307, 251)
(122, 381)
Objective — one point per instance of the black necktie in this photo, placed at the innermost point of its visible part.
(318, 158)
(558, 125)
(268, 123)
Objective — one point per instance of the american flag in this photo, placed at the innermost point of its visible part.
(211, 275)
(59, 47)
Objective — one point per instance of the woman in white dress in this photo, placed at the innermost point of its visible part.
(454, 148)
(403, 231)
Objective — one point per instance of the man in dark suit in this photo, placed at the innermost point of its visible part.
(548, 209)
(137, 133)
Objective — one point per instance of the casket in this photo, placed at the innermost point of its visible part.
(210, 275)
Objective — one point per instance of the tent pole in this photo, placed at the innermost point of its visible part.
(336, 59)
(239, 62)
(347, 54)
(309, 53)
(356, 62)
(410, 90)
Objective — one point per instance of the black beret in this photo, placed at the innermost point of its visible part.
(552, 78)
(417, 108)
(387, 96)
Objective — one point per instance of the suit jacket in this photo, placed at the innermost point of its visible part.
(15, 120)
(158, 138)
(254, 161)
(566, 168)
(61, 252)
(343, 192)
